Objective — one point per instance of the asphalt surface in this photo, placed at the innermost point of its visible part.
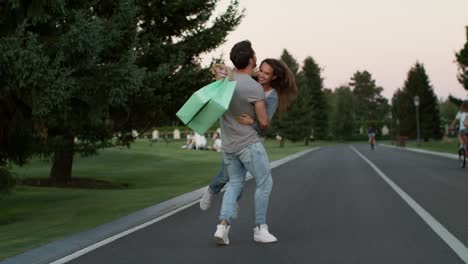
(329, 206)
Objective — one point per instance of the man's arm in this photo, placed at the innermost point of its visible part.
(262, 116)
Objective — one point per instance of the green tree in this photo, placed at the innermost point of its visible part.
(295, 124)
(173, 35)
(371, 107)
(462, 61)
(16, 140)
(289, 60)
(396, 111)
(288, 126)
(343, 120)
(448, 111)
(307, 114)
(417, 83)
(70, 68)
(79, 68)
(330, 99)
(315, 101)
(456, 101)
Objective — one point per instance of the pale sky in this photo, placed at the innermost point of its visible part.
(385, 37)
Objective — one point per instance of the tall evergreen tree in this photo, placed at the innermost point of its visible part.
(173, 35)
(316, 102)
(462, 61)
(401, 106)
(292, 63)
(295, 124)
(371, 107)
(417, 83)
(307, 115)
(456, 101)
(448, 111)
(330, 99)
(288, 126)
(343, 120)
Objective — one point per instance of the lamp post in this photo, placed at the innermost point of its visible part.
(416, 103)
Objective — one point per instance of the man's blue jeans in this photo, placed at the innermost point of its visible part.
(254, 159)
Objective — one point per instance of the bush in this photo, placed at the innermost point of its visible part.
(7, 180)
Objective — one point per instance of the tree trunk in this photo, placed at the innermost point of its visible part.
(282, 142)
(63, 162)
(307, 141)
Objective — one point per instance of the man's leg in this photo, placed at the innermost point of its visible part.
(236, 172)
(259, 166)
(236, 182)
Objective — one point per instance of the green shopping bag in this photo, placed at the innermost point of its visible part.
(197, 101)
(215, 108)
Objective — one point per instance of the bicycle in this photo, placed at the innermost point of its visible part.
(462, 151)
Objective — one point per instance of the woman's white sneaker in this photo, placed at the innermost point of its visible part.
(205, 202)
(221, 235)
(261, 235)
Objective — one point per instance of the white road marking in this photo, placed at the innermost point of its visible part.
(458, 247)
(120, 235)
(106, 241)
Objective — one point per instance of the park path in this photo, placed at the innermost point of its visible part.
(330, 206)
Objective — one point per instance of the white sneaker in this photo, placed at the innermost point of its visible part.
(221, 235)
(205, 202)
(261, 235)
(235, 212)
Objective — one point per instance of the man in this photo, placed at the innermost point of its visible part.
(242, 149)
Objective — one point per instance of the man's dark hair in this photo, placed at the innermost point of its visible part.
(241, 53)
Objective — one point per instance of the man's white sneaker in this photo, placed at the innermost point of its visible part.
(221, 235)
(235, 212)
(261, 235)
(205, 202)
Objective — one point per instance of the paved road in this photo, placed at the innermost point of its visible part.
(329, 206)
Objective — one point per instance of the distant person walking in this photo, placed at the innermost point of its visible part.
(371, 136)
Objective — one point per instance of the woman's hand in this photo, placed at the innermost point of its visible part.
(220, 71)
(245, 119)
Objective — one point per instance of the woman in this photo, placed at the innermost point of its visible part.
(280, 88)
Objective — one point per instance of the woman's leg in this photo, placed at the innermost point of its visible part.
(220, 180)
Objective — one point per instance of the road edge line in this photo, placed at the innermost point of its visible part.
(84, 242)
(423, 151)
(458, 247)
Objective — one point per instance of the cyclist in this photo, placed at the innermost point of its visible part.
(460, 118)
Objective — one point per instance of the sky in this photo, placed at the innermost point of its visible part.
(384, 37)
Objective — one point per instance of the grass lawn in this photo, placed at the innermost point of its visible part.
(33, 216)
(439, 146)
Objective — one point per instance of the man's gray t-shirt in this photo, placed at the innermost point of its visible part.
(234, 135)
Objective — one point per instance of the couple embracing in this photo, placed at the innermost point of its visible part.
(252, 106)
